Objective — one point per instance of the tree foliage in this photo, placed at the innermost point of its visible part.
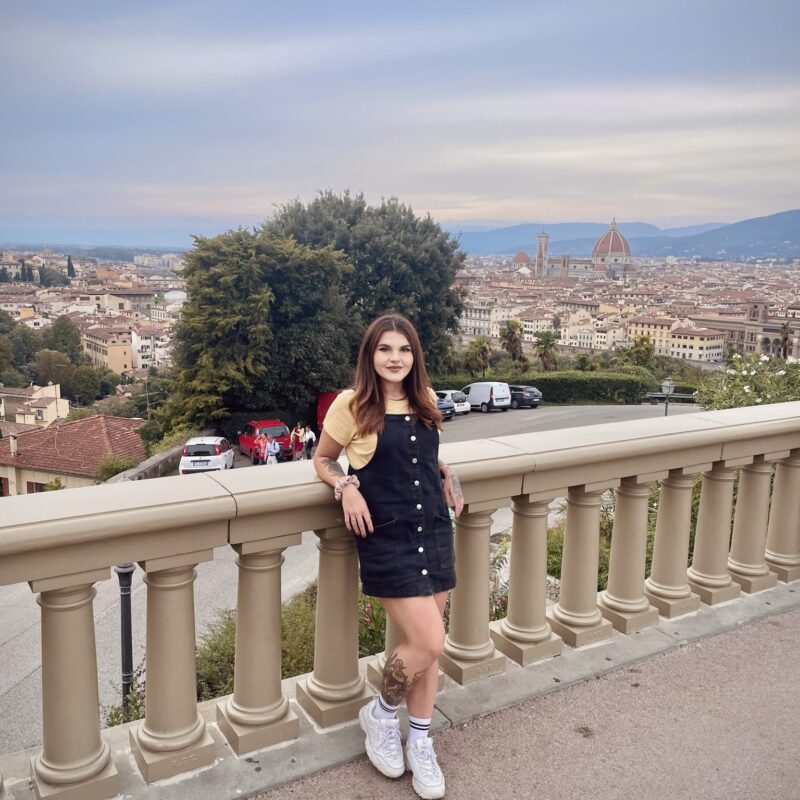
(545, 350)
(640, 353)
(479, 351)
(401, 262)
(64, 336)
(511, 338)
(265, 325)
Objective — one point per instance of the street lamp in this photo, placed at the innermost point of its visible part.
(668, 387)
(125, 575)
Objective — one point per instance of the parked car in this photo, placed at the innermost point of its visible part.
(205, 454)
(269, 427)
(487, 395)
(459, 399)
(525, 397)
(446, 407)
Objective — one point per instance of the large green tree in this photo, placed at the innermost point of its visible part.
(6, 353)
(265, 327)
(53, 366)
(26, 343)
(84, 385)
(401, 262)
(64, 336)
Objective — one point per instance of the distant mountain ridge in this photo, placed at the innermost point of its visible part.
(773, 236)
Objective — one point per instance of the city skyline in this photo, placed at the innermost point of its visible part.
(186, 117)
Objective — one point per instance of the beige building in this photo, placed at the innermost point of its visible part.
(33, 405)
(698, 344)
(109, 347)
(659, 329)
(71, 452)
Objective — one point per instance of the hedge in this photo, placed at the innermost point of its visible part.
(566, 387)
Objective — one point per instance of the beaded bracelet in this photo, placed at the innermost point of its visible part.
(346, 480)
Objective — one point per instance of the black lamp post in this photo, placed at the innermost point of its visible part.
(668, 387)
(125, 575)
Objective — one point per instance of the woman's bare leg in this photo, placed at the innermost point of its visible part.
(422, 695)
(411, 671)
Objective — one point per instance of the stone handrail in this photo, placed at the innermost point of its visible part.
(61, 543)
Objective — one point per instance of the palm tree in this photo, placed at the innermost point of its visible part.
(641, 351)
(545, 350)
(478, 352)
(511, 338)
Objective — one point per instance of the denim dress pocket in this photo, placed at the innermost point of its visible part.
(443, 533)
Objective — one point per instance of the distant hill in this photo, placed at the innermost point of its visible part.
(518, 237)
(774, 236)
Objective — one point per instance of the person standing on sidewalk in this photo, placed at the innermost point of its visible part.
(395, 499)
(308, 439)
(296, 438)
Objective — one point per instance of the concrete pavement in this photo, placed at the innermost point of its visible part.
(717, 719)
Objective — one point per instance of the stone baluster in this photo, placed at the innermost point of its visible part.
(783, 534)
(172, 738)
(708, 576)
(257, 715)
(335, 690)
(576, 617)
(75, 761)
(469, 652)
(746, 563)
(525, 635)
(623, 602)
(667, 588)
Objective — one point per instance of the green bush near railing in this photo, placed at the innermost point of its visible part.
(569, 387)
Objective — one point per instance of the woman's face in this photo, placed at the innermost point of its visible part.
(392, 360)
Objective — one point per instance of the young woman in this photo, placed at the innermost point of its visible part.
(395, 499)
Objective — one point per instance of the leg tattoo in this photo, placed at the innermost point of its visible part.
(396, 684)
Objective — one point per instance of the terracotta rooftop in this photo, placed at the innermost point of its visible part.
(76, 448)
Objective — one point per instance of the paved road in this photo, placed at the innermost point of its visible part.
(215, 588)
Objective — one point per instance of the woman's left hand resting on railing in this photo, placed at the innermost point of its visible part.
(356, 512)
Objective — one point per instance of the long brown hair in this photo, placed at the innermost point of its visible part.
(368, 404)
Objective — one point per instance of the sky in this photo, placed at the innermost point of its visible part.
(143, 122)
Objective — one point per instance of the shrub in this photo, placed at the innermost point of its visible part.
(111, 466)
(568, 386)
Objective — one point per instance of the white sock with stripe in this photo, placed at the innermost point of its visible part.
(418, 728)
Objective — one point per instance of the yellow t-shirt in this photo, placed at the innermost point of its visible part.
(340, 424)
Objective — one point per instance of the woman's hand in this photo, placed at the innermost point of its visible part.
(356, 513)
(452, 492)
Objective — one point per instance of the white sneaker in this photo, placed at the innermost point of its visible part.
(383, 744)
(428, 781)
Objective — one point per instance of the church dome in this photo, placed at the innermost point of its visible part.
(522, 258)
(611, 243)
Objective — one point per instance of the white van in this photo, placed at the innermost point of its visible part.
(487, 395)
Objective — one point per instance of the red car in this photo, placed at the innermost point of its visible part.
(269, 427)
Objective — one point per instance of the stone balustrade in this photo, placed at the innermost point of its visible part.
(62, 543)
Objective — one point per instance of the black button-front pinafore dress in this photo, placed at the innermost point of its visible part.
(410, 552)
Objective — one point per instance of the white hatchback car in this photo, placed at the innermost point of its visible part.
(206, 454)
(458, 398)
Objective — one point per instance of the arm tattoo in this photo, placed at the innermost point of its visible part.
(456, 484)
(333, 468)
(395, 683)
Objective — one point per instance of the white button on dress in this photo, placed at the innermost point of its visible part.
(416, 483)
(413, 438)
(413, 460)
(408, 419)
(421, 549)
(424, 572)
(419, 529)
(419, 506)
